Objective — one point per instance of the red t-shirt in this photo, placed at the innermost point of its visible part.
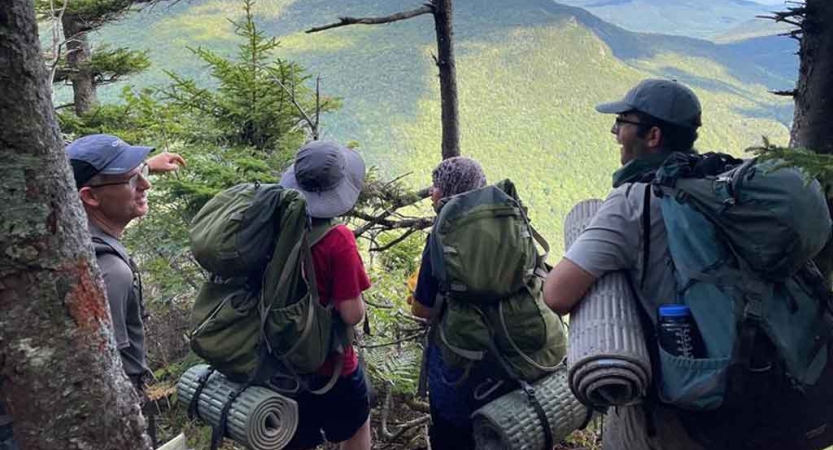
(340, 274)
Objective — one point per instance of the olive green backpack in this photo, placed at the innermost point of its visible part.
(258, 316)
(483, 251)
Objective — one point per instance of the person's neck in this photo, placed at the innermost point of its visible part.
(107, 225)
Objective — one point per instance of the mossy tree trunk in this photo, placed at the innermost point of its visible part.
(60, 374)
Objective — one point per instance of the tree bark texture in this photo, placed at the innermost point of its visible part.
(814, 93)
(448, 78)
(812, 127)
(60, 373)
(78, 58)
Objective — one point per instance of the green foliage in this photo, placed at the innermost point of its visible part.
(257, 100)
(91, 12)
(111, 64)
(815, 165)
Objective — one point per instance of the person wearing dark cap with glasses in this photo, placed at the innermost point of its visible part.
(112, 181)
(331, 178)
(656, 118)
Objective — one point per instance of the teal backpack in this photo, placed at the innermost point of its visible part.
(742, 235)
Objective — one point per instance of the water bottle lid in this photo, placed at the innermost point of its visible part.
(674, 311)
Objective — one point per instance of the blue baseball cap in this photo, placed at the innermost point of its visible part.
(103, 154)
(666, 100)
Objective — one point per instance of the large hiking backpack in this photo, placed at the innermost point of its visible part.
(253, 323)
(484, 255)
(742, 236)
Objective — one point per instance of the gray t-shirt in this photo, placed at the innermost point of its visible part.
(125, 297)
(615, 240)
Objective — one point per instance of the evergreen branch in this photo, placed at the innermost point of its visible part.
(344, 21)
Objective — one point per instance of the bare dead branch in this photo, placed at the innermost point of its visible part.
(401, 428)
(790, 93)
(317, 105)
(420, 223)
(377, 305)
(396, 342)
(395, 241)
(313, 125)
(417, 405)
(344, 21)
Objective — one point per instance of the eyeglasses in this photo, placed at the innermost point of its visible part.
(143, 172)
(619, 121)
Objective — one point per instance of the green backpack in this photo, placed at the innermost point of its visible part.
(483, 253)
(253, 323)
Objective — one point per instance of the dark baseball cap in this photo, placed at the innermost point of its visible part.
(666, 100)
(103, 154)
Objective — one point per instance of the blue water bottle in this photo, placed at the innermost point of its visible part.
(677, 332)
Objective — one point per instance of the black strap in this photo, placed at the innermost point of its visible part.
(539, 411)
(646, 234)
(219, 431)
(528, 390)
(193, 406)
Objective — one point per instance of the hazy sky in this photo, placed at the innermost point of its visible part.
(769, 2)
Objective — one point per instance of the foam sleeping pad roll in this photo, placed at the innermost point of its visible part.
(510, 422)
(608, 361)
(259, 418)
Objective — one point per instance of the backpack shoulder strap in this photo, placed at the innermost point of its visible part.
(646, 233)
(102, 246)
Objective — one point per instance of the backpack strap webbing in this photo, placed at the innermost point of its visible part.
(646, 234)
(529, 390)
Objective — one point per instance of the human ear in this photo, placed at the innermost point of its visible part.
(654, 138)
(88, 197)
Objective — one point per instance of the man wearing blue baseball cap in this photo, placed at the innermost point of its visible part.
(654, 119)
(112, 181)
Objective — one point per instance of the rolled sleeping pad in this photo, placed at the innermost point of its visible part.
(258, 418)
(608, 361)
(511, 423)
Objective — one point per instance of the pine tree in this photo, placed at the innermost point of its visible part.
(71, 57)
(261, 100)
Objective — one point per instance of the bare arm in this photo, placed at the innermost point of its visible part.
(566, 285)
(352, 311)
(420, 310)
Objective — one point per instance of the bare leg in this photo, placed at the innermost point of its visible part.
(360, 440)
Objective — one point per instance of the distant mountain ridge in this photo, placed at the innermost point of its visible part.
(693, 18)
(529, 74)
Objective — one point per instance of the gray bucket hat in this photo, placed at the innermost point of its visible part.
(329, 175)
(664, 99)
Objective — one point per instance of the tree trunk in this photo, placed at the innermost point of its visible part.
(814, 96)
(448, 78)
(60, 374)
(814, 93)
(78, 56)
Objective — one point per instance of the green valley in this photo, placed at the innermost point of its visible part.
(530, 72)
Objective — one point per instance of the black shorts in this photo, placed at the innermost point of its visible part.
(336, 415)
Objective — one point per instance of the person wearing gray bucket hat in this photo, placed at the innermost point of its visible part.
(112, 181)
(329, 175)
